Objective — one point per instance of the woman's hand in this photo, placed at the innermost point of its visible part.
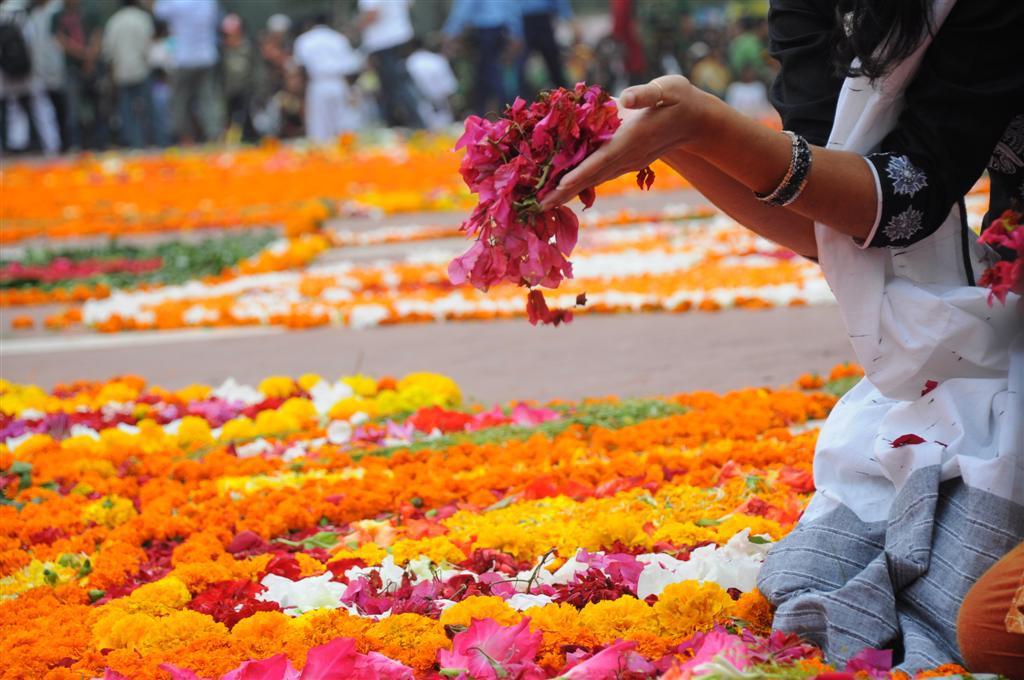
(656, 117)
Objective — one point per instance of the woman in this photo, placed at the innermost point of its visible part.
(920, 468)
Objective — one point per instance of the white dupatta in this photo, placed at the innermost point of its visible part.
(912, 319)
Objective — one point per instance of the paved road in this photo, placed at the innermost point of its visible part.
(630, 355)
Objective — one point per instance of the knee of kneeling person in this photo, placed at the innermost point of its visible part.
(990, 625)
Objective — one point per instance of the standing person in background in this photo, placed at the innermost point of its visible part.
(497, 30)
(79, 35)
(272, 59)
(193, 29)
(48, 58)
(539, 36)
(126, 42)
(25, 105)
(710, 72)
(748, 48)
(748, 95)
(386, 30)
(433, 77)
(625, 33)
(328, 59)
(237, 63)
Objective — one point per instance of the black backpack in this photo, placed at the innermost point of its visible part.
(15, 60)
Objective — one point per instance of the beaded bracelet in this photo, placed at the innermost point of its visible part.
(793, 183)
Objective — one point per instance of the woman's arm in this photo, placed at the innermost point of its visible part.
(676, 117)
(780, 225)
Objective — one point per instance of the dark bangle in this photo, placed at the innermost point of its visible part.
(793, 183)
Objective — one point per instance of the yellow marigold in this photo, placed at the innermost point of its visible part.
(308, 381)
(160, 597)
(439, 549)
(410, 638)
(118, 630)
(110, 512)
(478, 608)
(194, 432)
(300, 409)
(177, 629)
(362, 385)
(690, 606)
(319, 627)
(622, 618)
(560, 626)
(238, 428)
(440, 386)
(117, 391)
(349, 406)
(271, 422)
(310, 566)
(733, 524)
(193, 393)
(279, 386)
(370, 553)
(755, 611)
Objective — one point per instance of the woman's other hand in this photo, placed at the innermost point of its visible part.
(656, 117)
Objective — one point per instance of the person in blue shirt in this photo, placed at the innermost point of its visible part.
(539, 36)
(495, 29)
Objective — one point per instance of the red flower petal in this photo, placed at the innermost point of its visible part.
(906, 440)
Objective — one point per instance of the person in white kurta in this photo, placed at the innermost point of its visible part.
(328, 59)
(919, 469)
(436, 83)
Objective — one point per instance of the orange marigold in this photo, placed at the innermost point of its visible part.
(690, 606)
(755, 611)
(410, 638)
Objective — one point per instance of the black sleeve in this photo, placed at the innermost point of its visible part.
(969, 87)
(806, 89)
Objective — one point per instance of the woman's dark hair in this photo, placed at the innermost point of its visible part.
(881, 33)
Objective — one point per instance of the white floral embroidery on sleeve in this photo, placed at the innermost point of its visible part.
(904, 225)
(907, 178)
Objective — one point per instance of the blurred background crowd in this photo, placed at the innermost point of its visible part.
(98, 74)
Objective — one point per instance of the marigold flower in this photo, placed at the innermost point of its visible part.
(687, 607)
(410, 638)
(479, 608)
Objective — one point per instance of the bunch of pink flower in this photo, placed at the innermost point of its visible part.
(512, 164)
(1006, 276)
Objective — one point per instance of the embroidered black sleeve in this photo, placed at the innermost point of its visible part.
(969, 87)
(908, 211)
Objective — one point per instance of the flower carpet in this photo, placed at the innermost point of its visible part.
(382, 528)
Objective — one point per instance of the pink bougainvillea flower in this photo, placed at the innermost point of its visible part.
(876, 663)
(511, 164)
(612, 662)
(338, 659)
(277, 667)
(718, 644)
(488, 651)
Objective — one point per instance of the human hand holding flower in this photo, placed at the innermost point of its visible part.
(656, 118)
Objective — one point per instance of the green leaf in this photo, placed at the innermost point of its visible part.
(707, 522)
(759, 540)
(322, 539)
(96, 594)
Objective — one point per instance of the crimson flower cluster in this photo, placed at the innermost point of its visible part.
(512, 164)
(1006, 276)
